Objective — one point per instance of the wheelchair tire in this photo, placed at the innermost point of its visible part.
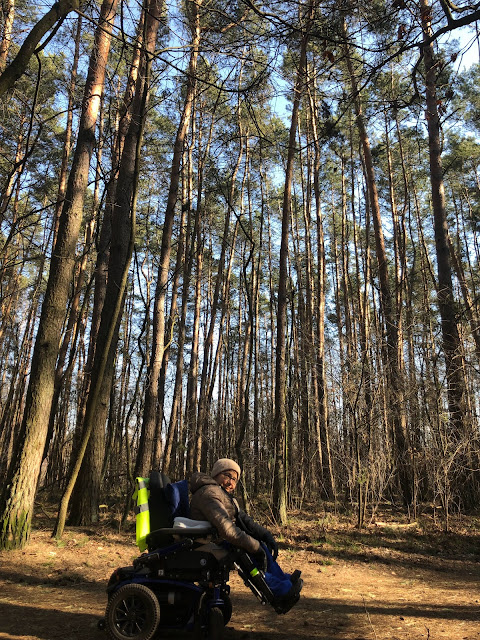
(216, 624)
(227, 610)
(133, 612)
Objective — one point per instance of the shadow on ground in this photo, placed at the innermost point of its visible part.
(319, 619)
(414, 552)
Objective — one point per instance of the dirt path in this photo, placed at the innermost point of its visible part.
(368, 589)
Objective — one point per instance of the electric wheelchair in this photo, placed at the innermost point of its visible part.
(175, 584)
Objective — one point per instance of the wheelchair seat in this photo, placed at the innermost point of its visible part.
(187, 523)
(167, 536)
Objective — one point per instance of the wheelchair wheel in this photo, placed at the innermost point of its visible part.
(216, 624)
(132, 612)
(227, 610)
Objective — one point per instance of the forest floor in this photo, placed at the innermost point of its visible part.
(392, 581)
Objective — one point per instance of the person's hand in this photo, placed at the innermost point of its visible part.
(271, 545)
(260, 559)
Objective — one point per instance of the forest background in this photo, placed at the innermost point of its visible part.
(239, 229)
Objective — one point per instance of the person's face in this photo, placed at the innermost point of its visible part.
(228, 480)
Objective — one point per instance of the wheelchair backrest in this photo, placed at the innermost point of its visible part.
(158, 502)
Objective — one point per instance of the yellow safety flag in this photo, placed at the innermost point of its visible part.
(141, 511)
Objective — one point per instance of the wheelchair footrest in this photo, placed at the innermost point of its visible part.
(255, 580)
(282, 604)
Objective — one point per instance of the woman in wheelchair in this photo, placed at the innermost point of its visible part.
(213, 500)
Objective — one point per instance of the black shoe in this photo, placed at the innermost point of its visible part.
(283, 604)
(295, 577)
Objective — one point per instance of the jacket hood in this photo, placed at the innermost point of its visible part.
(198, 480)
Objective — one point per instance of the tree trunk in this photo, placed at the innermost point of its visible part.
(446, 301)
(320, 382)
(6, 39)
(17, 501)
(62, 181)
(192, 378)
(87, 491)
(158, 346)
(176, 413)
(280, 495)
(103, 247)
(172, 317)
(394, 369)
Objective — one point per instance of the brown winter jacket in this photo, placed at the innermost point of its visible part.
(210, 502)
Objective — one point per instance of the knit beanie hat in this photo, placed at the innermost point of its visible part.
(224, 464)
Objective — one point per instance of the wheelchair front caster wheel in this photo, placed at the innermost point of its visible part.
(101, 624)
(216, 624)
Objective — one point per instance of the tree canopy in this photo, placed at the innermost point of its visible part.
(245, 229)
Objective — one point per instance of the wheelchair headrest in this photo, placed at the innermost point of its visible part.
(174, 493)
(158, 481)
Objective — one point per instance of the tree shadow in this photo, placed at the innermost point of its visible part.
(311, 618)
(323, 618)
(60, 578)
(46, 624)
(445, 555)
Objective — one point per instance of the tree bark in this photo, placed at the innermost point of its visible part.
(175, 412)
(123, 237)
(280, 494)
(192, 378)
(319, 376)
(62, 182)
(151, 394)
(446, 301)
(6, 39)
(18, 496)
(394, 369)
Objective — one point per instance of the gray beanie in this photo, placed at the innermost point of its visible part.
(225, 464)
